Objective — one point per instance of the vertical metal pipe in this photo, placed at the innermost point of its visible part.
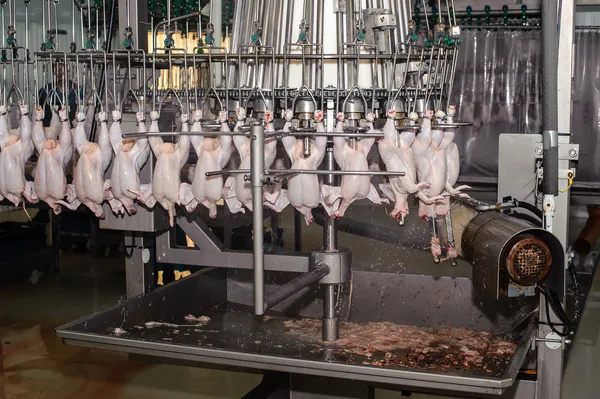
(330, 327)
(216, 20)
(297, 231)
(350, 33)
(248, 66)
(267, 25)
(236, 34)
(402, 20)
(330, 230)
(320, 39)
(289, 21)
(340, 39)
(279, 40)
(310, 17)
(257, 169)
(329, 305)
(550, 97)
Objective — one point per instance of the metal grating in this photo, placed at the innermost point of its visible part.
(529, 261)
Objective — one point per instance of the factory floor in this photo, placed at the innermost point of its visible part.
(35, 364)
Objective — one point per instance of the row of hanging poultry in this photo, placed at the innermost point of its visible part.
(429, 159)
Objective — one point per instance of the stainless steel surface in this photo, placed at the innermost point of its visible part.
(209, 286)
(487, 243)
(257, 158)
(211, 252)
(331, 325)
(330, 238)
(304, 108)
(139, 266)
(339, 262)
(294, 286)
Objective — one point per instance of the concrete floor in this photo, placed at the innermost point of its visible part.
(35, 364)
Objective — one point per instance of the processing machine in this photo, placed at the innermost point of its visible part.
(242, 122)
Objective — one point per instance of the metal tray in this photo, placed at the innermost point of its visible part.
(234, 337)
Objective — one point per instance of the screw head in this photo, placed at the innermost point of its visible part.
(572, 152)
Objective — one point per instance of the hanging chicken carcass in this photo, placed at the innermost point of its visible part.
(397, 154)
(431, 164)
(213, 155)
(130, 156)
(353, 187)
(170, 158)
(94, 159)
(54, 155)
(15, 151)
(304, 191)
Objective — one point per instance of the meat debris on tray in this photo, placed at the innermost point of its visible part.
(387, 344)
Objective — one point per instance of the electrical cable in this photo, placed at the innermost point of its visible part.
(576, 292)
(552, 300)
(568, 187)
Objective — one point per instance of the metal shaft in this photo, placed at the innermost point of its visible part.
(257, 158)
(287, 290)
(330, 328)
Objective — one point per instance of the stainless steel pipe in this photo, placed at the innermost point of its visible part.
(257, 159)
(330, 326)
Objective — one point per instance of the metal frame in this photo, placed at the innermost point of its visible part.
(211, 251)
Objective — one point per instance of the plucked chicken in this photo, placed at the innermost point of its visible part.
(170, 158)
(54, 155)
(303, 190)
(3, 120)
(397, 154)
(130, 156)
(94, 159)
(452, 156)
(213, 155)
(431, 164)
(353, 187)
(15, 152)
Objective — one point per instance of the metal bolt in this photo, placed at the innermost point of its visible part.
(572, 152)
(538, 151)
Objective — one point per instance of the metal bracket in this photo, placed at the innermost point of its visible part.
(566, 152)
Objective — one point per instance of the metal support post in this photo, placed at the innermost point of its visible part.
(139, 264)
(330, 243)
(257, 159)
(550, 361)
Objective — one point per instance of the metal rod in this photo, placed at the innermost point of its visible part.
(330, 328)
(329, 228)
(281, 172)
(330, 324)
(264, 56)
(161, 134)
(290, 288)
(257, 158)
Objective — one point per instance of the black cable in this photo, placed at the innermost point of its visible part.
(576, 292)
(531, 208)
(553, 301)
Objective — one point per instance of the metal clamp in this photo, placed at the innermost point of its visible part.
(338, 261)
